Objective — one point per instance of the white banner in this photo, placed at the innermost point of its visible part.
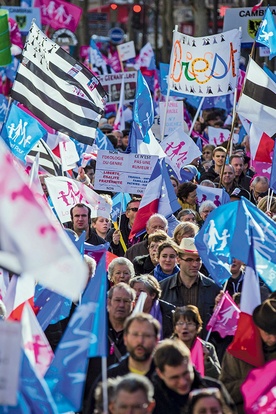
(205, 66)
(123, 173)
(174, 118)
(65, 193)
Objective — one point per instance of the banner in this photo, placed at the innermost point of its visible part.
(123, 173)
(205, 66)
(112, 85)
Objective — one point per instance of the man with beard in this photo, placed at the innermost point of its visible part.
(141, 335)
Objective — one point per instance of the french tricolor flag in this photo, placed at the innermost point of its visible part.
(247, 344)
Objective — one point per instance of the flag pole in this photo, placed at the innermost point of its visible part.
(168, 92)
(196, 115)
(104, 385)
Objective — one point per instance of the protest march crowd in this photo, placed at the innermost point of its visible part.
(138, 244)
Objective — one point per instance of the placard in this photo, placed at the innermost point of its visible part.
(123, 173)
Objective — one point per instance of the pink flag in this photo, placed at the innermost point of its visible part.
(35, 343)
(39, 245)
(225, 317)
(59, 14)
(259, 390)
(257, 6)
(197, 356)
(145, 57)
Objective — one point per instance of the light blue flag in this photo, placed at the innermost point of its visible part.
(35, 391)
(85, 336)
(77, 241)
(228, 233)
(119, 203)
(102, 141)
(21, 132)
(266, 34)
(3, 107)
(52, 306)
(143, 114)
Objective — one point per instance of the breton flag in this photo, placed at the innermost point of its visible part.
(47, 159)
(258, 100)
(58, 89)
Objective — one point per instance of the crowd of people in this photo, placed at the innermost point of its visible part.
(161, 297)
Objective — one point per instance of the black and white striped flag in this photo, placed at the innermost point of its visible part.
(258, 100)
(47, 159)
(58, 89)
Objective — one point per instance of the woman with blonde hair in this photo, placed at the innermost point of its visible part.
(184, 229)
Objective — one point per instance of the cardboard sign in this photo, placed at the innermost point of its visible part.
(123, 173)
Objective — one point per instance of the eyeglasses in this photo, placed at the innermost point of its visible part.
(143, 336)
(136, 408)
(134, 209)
(190, 260)
(124, 300)
(188, 324)
(206, 152)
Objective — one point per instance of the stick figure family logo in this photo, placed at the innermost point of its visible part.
(215, 241)
(57, 12)
(182, 156)
(72, 196)
(18, 133)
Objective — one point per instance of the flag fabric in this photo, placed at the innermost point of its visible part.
(218, 136)
(5, 43)
(261, 145)
(119, 203)
(266, 34)
(19, 291)
(217, 195)
(119, 123)
(259, 94)
(21, 132)
(65, 193)
(102, 141)
(228, 232)
(225, 318)
(97, 62)
(35, 390)
(58, 89)
(257, 6)
(247, 343)
(197, 356)
(146, 58)
(39, 245)
(272, 183)
(159, 197)
(59, 14)
(3, 107)
(84, 337)
(35, 343)
(143, 114)
(180, 150)
(207, 70)
(259, 390)
(47, 159)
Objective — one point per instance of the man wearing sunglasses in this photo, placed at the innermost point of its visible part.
(189, 286)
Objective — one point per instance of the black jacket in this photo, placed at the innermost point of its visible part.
(207, 292)
(168, 401)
